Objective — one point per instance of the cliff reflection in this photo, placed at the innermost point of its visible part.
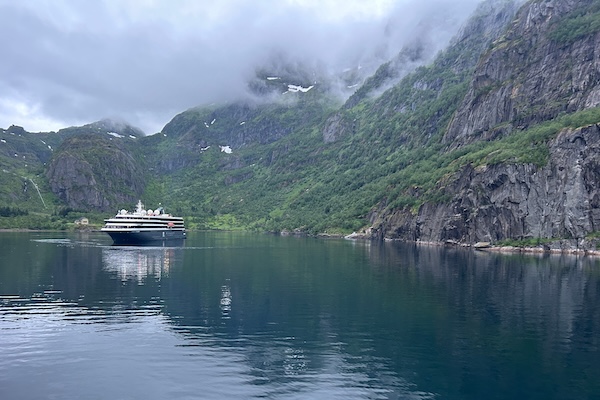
(553, 295)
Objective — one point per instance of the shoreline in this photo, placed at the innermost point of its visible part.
(560, 247)
(574, 247)
(539, 250)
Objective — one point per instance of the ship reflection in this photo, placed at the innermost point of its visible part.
(139, 263)
(155, 243)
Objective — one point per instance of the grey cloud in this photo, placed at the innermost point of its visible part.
(92, 66)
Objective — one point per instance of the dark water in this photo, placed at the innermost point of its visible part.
(236, 316)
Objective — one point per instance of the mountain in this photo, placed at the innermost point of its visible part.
(527, 127)
(74, 168)
(494, 139)
(96, 172)
(23, 159)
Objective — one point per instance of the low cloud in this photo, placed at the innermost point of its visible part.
(74, 62)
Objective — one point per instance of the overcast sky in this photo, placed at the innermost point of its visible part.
(72, 62)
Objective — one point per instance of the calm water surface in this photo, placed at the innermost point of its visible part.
(238, 316)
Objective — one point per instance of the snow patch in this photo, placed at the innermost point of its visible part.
(115, 134)
(273, 78)
(213, 121)
(226, 149)
(296, 88)
(2, 140)
(206, 124)
(204, 148)
(243, 123)
(133, 137)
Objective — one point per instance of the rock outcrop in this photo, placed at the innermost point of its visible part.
(92, 172)
(530, 75)
(490, 203)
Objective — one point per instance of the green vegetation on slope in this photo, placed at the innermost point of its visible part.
(578, 24)
(300, 183)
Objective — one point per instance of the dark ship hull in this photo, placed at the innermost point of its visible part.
(141, 237)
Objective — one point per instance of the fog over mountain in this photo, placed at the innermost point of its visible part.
(72, 62)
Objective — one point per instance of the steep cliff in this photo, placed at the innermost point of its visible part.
(534, 73)
(95, 172)
(419, 105)
(495, 202)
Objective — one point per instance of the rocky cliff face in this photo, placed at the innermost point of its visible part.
(530, 75)
(392, 96)
(91, 172)
(559, 200)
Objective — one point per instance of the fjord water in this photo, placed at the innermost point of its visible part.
(239, 316)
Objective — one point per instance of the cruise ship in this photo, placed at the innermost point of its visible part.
(144, 226)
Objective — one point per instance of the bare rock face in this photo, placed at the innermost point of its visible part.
(90, 172)
(529, 76)
(335, 127)
(560, 200)
(74, 183)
